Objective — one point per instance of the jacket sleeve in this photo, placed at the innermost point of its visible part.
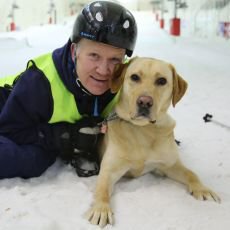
(26, 161)
(29, 105)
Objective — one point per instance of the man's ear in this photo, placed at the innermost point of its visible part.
(73, 51)
(119, 75)
(179, 86)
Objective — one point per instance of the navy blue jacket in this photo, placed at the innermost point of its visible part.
(25, 113)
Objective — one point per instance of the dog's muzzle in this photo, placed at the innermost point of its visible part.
(144, 104)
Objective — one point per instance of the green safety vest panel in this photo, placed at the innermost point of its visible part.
(65, 108)
(9, 80)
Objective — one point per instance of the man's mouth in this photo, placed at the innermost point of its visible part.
(99, 80)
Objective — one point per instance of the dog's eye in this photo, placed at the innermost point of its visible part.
(161, 81)
(135, 77)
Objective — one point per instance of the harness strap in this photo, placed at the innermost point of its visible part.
(111, 117)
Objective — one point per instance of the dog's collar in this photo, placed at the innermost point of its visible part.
(111, 117)
(104, 124)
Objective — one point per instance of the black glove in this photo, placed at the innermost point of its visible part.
(76, 143)
(85, 135)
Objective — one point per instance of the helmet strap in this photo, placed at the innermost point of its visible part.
(79, 84)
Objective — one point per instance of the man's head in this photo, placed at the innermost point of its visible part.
(95, 64)
(104, 32)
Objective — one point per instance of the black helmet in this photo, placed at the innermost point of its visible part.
(106, 22)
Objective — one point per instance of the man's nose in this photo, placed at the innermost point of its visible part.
(103, 68)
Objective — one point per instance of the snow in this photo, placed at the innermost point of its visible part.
(59, 198)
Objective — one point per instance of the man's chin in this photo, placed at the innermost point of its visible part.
(97, 91)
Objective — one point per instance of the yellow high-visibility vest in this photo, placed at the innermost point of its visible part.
(64, 104)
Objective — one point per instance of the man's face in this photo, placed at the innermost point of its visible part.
(95, 64)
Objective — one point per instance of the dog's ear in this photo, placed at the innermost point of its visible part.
(179, 86)
(119, 75)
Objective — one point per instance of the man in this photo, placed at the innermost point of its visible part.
(45, 110)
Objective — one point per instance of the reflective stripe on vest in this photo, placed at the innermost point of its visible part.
(7, 80)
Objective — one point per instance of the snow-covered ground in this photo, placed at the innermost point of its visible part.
(59, 198)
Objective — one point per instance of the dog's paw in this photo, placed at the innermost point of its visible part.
(201, 192)
(100, 214)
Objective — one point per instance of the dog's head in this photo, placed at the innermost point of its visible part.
(149, 87)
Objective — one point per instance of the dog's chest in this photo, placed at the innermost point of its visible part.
(151, 158)
(144, 149)
(144, 165)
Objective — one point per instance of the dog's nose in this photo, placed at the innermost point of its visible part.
(145, 102)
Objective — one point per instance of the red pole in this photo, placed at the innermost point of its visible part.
(175, 26)
(162, 23)
(12, 26)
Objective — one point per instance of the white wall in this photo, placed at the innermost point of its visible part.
(136, 4)
(32, 12)
(35, 12)
(196, 20)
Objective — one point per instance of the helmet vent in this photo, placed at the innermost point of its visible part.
(99, 16)
(97, 4)
(126, 24)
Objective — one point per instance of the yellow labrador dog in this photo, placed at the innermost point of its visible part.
(141, 140)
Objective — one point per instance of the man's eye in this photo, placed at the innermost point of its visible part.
(116, 61)
(94, 55)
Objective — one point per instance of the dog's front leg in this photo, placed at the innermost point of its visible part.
(180, 173)
(100, 213)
